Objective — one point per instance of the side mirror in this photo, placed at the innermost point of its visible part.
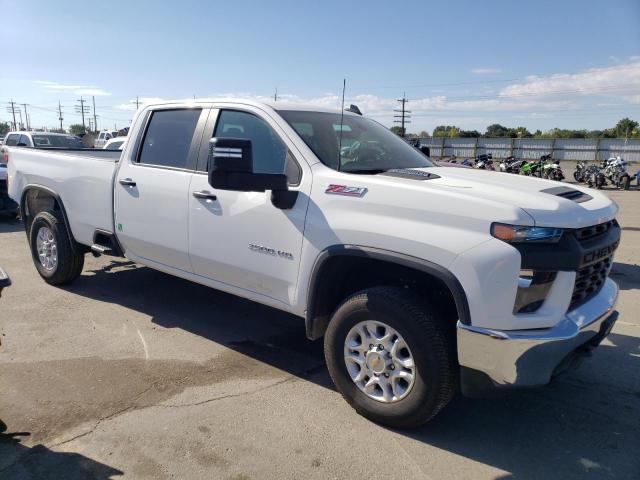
(231, 168)
(5, 281)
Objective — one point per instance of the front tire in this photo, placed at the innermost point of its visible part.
(53, 254)
(391, 356)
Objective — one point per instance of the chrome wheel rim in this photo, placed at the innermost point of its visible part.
(47, 248)
(379, 361)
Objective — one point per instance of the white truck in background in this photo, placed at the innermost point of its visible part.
(422, 279)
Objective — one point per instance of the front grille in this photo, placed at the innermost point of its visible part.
(589, 281)
(593, 231)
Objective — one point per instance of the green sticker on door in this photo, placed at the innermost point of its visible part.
(119, 227)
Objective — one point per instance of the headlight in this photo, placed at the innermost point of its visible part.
(522, 234)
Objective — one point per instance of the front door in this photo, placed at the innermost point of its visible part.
(152, 187)
(240, 238)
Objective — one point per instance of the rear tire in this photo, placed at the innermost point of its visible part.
(625, 182)
(53, 255)
(430, 345)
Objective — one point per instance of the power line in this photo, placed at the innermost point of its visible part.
(404, 115)
(82, 109)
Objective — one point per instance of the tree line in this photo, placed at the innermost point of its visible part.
(625, 128)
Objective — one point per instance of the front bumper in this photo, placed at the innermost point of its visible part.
(530, 358)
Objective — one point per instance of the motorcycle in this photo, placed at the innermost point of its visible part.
(484, 162)
(511, 165)
(534, 169)
(467, 163)
(594, 177)
(551, 170)
(615, 170)
(579, 172)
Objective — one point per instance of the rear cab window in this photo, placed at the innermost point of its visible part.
(168, 138)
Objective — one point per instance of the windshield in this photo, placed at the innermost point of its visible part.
(59, 141)
(365, 147)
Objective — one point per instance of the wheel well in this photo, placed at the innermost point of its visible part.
(36, 200)
(340, 276)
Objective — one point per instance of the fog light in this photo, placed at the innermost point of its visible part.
(533, 288)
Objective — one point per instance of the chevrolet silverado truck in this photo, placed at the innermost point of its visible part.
(422, 279)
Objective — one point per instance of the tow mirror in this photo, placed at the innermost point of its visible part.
(230, 167)
(5, 281)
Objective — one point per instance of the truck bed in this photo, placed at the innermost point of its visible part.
(82, 178)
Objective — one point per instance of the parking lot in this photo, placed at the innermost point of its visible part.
(131, 373)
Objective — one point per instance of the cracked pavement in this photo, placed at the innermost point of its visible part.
(131, 373)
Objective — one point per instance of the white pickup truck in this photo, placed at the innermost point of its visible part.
(422, 279)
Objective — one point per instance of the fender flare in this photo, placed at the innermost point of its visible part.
(56, 197)
(314, 326)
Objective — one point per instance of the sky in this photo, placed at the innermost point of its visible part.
(537, 64)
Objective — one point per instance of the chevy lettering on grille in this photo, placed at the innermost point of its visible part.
(600, 253)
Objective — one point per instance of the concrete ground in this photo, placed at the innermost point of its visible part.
(135, 374)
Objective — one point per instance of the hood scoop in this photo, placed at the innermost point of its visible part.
(410, 173)
(568, 193)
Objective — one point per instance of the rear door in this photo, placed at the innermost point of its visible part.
(152, 187)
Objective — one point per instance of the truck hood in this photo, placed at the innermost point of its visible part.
(549, 203)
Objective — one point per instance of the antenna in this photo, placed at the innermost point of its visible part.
(344, 87)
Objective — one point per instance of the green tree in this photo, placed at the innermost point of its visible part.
(76, 129)
(4, 127)
(446, 131)
(424, 134)
(626, 128)
(397, 130)
(497, 130)
(469, 134)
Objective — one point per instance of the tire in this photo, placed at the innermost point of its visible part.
(625, 182)
(576, 177)
(430, 340)
(69, 261)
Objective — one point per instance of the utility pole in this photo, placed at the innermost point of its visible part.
(12, 110)
(21, 123)
(404, 114)
(275, 95)
(82, 109)
(60, 116)
(137, 102)
(26, 115)
(95, 120)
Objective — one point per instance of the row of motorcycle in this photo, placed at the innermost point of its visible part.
(613, 171)
(545, 167)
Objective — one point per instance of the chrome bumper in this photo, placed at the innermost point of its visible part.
(529, 358)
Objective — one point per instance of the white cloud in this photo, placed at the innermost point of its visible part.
(76, 89)
(485, 71)
(615, 80)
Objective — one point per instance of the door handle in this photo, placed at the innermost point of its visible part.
(205, 195)
(127, 182)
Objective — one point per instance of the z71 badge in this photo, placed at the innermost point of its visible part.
(346, 190)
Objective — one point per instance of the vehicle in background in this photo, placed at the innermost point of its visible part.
(42, 140)
(2, 140)
(551, 170)
(580, 172)
(104, 137)
(5, 281)
(116, 143)
(416, 291)
(615, 170)
(484, 161)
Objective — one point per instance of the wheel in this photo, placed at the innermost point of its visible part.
(51, 249)
(625, 182)
(391, 356)
(576, 177)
